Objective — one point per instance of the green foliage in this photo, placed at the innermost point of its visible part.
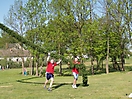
(39, 49)
(72, 27)
(6, 38)
(12, 64)
(3, 62)
(20, 38)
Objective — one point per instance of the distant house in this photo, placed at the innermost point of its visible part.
(14, 52)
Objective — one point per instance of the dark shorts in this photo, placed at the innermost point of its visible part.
(49, 76)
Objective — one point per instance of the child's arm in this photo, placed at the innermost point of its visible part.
(58, 62)
(48, 57)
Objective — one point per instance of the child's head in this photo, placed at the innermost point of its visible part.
(76, 59)
(52, 60)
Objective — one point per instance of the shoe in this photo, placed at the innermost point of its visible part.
(49, 89)
(45, 87)
(73, 86)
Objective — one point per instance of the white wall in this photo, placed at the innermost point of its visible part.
(17, 59)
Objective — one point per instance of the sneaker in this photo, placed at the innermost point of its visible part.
(73, 86)
(45, 87)
(49, 89)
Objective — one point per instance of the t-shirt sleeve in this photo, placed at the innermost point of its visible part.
(55, 64)
(48, 63)
(79, 63)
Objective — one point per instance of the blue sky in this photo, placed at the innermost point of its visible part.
(4, 8)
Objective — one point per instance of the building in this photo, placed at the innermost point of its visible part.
(14, 52)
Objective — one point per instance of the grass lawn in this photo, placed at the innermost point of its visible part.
(111, 86)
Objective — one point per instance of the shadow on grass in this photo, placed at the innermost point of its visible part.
(56, 85)
(26, 80)
(111, 69)
(30, 78)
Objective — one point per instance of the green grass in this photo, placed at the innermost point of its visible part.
(112, 86)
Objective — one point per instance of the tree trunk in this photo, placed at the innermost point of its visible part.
(37, 68)
(60, 65)
(102, 64)
(41, 70)
(60, 70)
(114, 63)
(107, 33)
(107, 57)
(122, 62)
(37, 63)
(33, 66)
(92, 65)
(97, 61)
(22, 65)
(30, 65)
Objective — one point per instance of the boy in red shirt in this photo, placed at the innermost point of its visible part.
(75, 72)
(50, 71)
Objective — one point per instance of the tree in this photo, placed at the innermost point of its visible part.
(15, 20)
(72, 27)
(121, 16)
(118, 21)
(33, 46)
(35, 12)
(6, 39)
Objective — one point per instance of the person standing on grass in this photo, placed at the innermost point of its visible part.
(25, 71)
(50, 71)
(75, 73)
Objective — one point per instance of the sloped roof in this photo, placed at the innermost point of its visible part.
(14, 53)
(14, 50)
(13, 45)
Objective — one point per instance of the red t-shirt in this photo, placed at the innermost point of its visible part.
(75, 69)
(50, 67)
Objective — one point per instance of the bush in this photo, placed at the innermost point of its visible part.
(3, 62)
(42, 73)
(14, 64)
